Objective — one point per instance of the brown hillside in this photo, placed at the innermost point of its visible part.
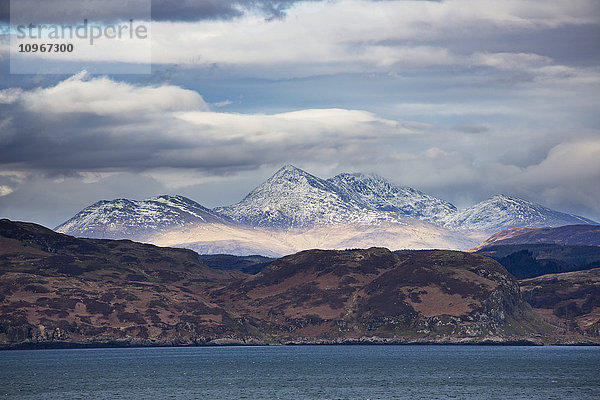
(374, 292)
(572, 235)
(570, 301)
(56, 290)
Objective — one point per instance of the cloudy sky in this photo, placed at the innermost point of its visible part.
(460, 99)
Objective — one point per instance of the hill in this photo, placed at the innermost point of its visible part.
(56, 288)
(61, 291)
(531, 252)
(341, 295)
(572, 235)
(570, 301)
(531, 260)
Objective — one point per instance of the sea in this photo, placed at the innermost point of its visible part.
(304, 372)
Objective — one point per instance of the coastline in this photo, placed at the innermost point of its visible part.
(366, 341)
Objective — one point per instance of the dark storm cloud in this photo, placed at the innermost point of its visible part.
(188, 10)
(73, 11)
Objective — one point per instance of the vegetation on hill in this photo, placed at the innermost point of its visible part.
(57, 290)
(531, 260)
(570, 300)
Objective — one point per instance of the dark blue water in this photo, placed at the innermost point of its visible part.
(304, 372)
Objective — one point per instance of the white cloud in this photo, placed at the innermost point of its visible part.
(4, 190)
(568, 178)
(509, 60)
(355, 36)
(103, 96)
(170, 127)
(304, 126)
(567, 162)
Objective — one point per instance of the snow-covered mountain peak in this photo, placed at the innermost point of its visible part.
(376, 193)
(503, 211)
(123, 218)
(502, 198)
(292, 178)
(166, 198)
(290, 198)
(360, 180)
(289, 169)
(293, 198)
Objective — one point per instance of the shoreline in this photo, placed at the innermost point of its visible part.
(291, 343)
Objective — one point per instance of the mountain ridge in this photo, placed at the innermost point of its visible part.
(376, 193)
(574, 235)
(503, 211)
(292, 201)
(124, 218)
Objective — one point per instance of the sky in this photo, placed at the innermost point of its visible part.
(459, 99)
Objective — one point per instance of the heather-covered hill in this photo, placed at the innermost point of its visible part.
(57, 290)
(429, 295)
(570, 301)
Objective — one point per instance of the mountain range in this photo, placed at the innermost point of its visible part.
(295, 198)
(294, 210)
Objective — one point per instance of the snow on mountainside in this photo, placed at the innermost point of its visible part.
(294, 198)
(294, 210)
(375, 193)
(502, 212)
(133, 219)
(247, 240)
